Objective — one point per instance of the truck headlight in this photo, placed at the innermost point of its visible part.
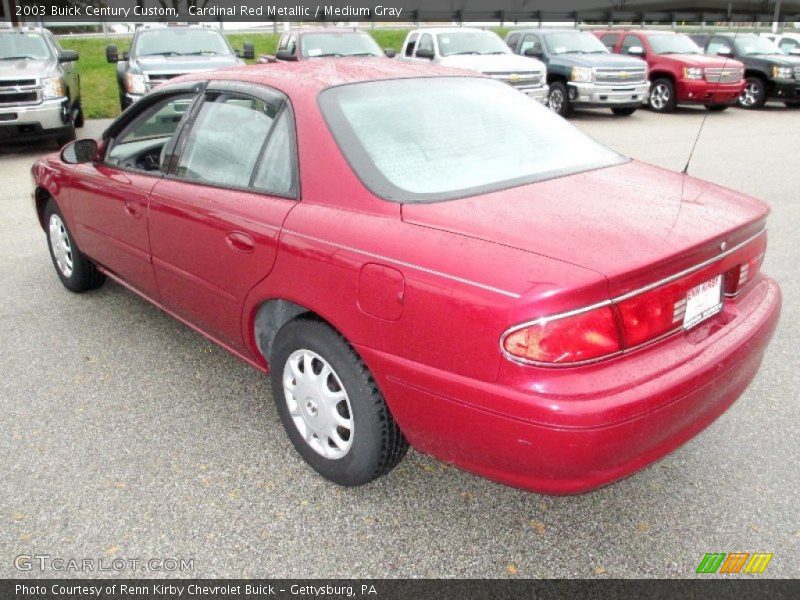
(692, 73)
(782, 72)
(582, 74)
(134, 83)
(53, 87)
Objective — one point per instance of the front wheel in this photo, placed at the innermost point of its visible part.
(754, 94)
(331, 406)
(662, 96)
(66, 137)
(74, 269)
(624, 112)
(558, 99)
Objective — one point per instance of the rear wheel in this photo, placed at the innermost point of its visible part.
(754, 94)
(558, 99)
(624, 111)
(76, 271)
(718, 107)
(662, 95)
(331, 406)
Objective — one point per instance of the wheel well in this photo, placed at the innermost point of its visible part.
(553, 77)
(274, 314)
(662, 75)
(41, 196)
(752, 73)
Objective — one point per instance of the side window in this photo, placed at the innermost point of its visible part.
(425, 42)
(283, 41)
(788, 44)
(139, 145)
(530, 41)
(226, 139)
(610, 40)
(409, 49)
(629, 42)
(512, 41)
(715, 44)
(275, 172)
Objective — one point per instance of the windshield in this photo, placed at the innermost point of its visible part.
(755, 45)
(23, 45)
(175, 42)
(439, 138)
(339, 44)
(471, 42)
(569, 42)
(673, 44)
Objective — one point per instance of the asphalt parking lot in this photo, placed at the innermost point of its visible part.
(126, 435)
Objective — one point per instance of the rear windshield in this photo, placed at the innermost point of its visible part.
(434, 139)
(339, 44)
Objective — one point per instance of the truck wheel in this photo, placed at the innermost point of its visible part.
(754, 93)
(67, 137)
(718, 107)
(75, 270)
(79, 116)
(624, 111)
(558, 99)
(662, 95)
(331, 407)
(793, 103)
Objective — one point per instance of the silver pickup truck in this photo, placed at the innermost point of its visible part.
(40, 94)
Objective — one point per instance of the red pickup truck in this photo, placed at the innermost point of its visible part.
(679, 71)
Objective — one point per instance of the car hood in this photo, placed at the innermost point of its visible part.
(26, 68)
(601, 60)
(185, 64)
(784, 60)
(703, 60)
(624, 222)
(493, 63)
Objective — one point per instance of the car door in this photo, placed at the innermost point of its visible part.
(215, 218)
(110, 197)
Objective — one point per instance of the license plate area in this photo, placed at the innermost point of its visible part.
(703, 301)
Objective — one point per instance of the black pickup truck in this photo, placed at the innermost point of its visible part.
(582, 72)
(769, 74)
(159, 53)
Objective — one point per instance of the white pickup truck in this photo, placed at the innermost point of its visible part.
(477, 50)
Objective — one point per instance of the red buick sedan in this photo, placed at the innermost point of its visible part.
(424, 257)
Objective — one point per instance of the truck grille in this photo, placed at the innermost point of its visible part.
(724, 75)
(154, 79)
(19, 91)
(522, 81)
(618, 77)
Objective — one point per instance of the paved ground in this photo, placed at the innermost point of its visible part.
(125, 435)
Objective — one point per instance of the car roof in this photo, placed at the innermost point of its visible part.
(545, 30)
(307, 30)
(447, 30)
(309, 76)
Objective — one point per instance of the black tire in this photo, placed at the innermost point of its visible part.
(624, 112)
(664, 89)
(558, 99)
(754, 94)
(66, 137)
(378, 444)
(718, 107)
(123, 103)
(84, 275)
(792, 103)
(79, 119)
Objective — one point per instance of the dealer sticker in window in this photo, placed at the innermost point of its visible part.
(703, 301)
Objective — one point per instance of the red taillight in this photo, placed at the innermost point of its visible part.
(652, 314)
(569, 339)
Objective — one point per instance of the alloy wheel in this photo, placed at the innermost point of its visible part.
(659, 96)
(556, 100)
(749, 94)
(318, 404)
(61, 246)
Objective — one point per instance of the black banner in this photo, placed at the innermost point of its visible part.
(500, 11)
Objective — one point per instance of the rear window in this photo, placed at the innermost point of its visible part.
(434, 139)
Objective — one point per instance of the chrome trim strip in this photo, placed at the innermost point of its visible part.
(406, 264)
(615, 300)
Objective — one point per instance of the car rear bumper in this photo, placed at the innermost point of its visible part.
(573, 437)
(703, 92)
(602, 96)
(48, 118)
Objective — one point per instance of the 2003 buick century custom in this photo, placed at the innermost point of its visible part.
(427, 257)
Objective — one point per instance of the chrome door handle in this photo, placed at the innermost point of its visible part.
(241, 242)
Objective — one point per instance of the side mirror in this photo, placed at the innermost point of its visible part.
(79, 152)
(425, 53)
(389, 52)
(725, 51)
(68, 56)
(636, 51)
(533, 52)
(285, 55)
(112, 54)
(248, 51)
